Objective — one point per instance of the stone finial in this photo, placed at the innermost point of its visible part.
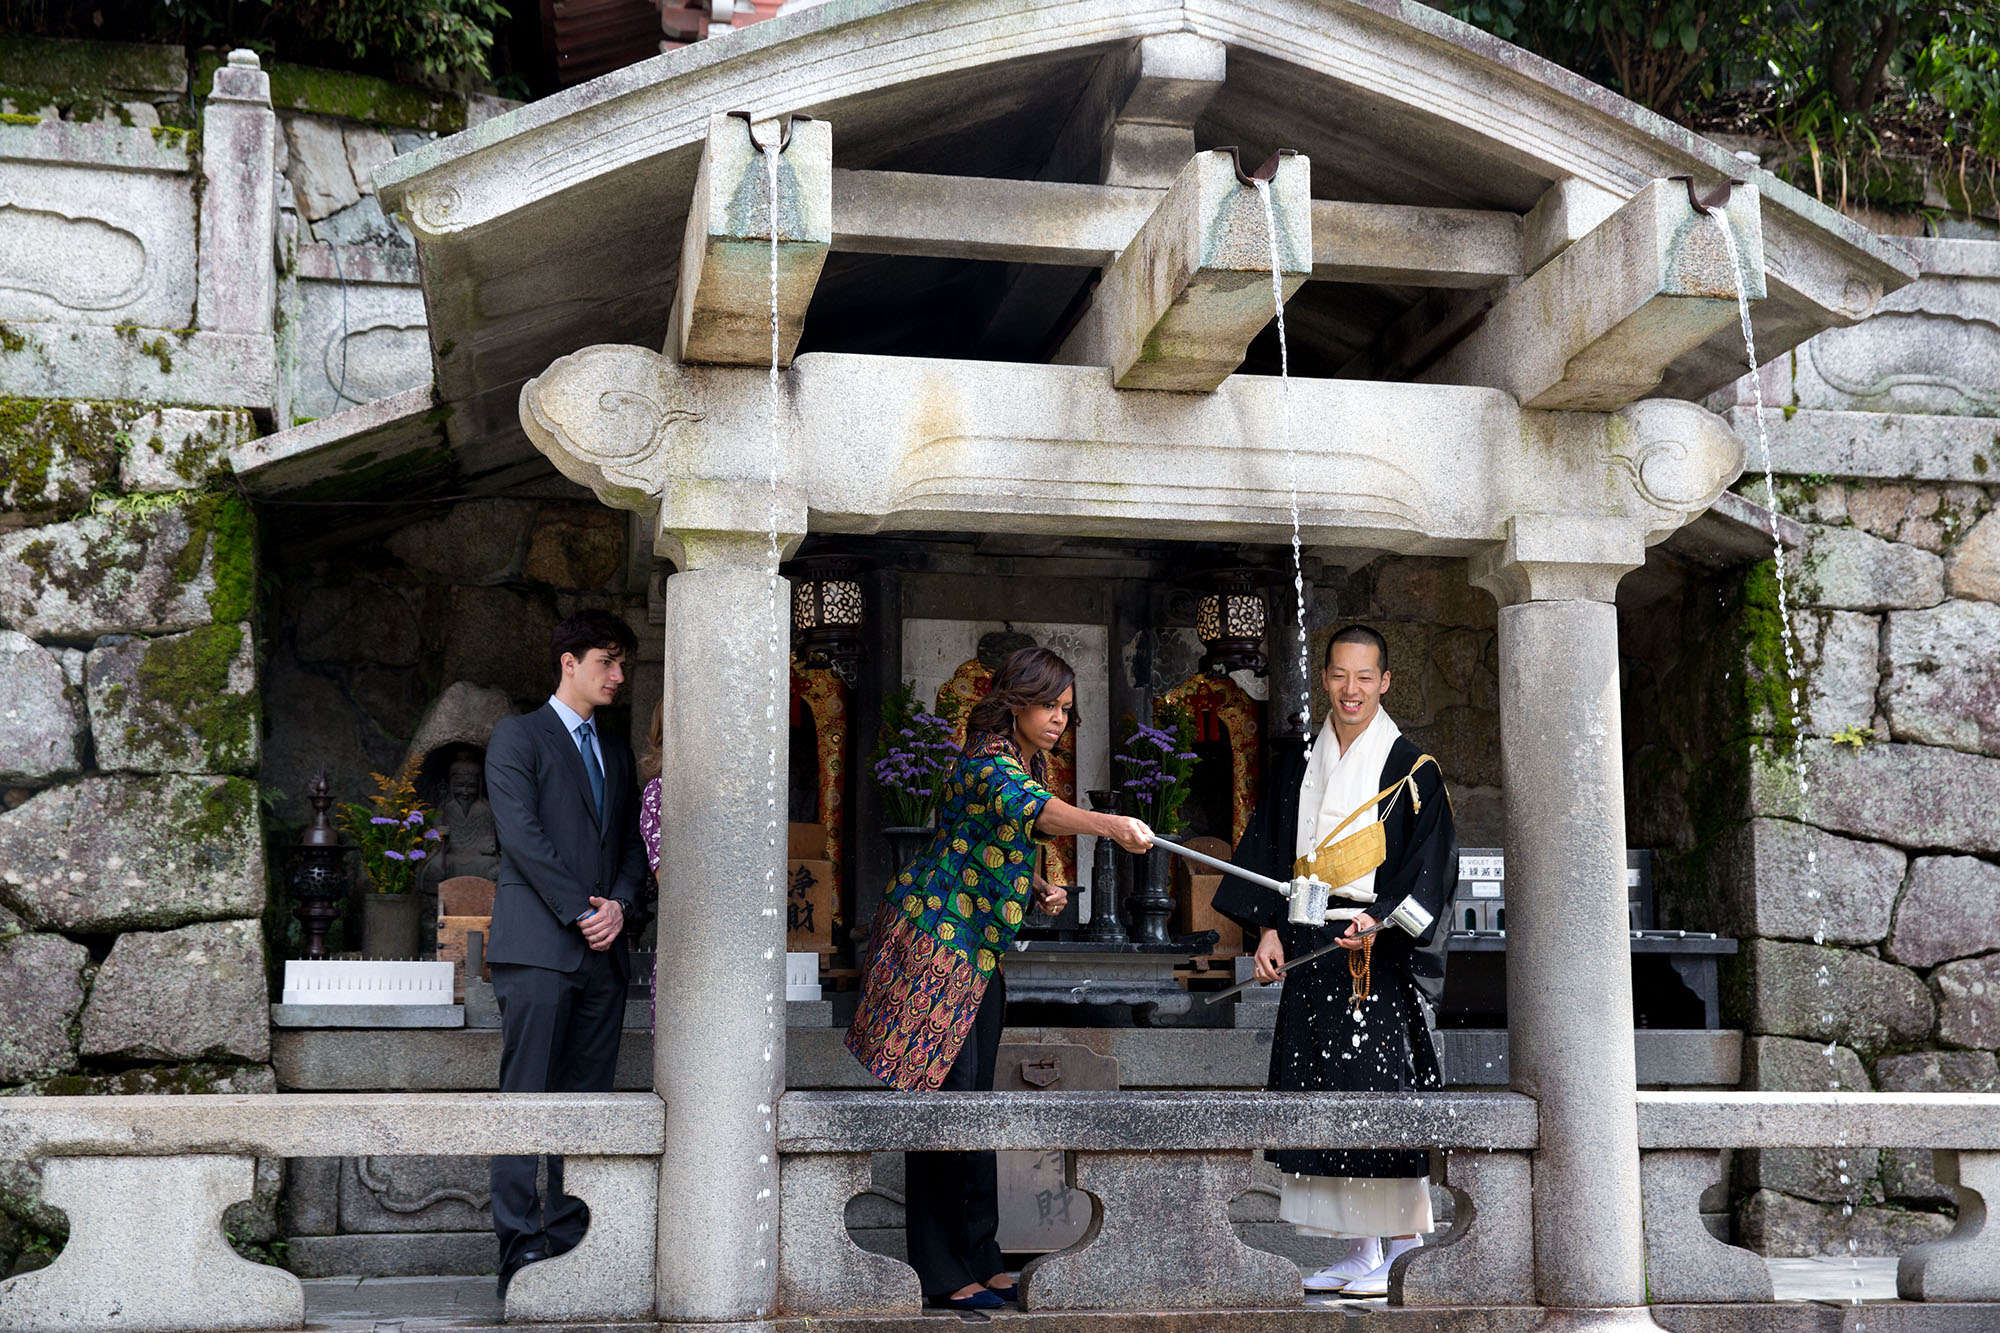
(242, 79)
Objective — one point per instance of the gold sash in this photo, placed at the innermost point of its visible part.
(1337, 863)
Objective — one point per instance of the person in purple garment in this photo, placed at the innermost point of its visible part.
(651, 760)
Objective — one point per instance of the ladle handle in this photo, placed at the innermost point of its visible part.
(1216, 863)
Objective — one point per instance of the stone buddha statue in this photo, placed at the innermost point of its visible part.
(472, 847)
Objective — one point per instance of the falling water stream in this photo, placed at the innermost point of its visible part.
(1291, 458)
(773, 648)
(1823, 977)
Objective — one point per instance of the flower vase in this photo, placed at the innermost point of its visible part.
(906, 843)
(1152, 902)
(389, 925)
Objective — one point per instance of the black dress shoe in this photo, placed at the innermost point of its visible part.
(508, 1270)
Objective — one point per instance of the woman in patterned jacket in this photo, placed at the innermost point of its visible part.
(932, 992)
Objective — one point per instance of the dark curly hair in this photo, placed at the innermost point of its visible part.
(1026, 676)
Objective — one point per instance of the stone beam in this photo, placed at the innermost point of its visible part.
(1417, 247)
(1181, 304)
(868, 444)
(1598, 325)
(722, 310)
(972, 217)
(1060, 223)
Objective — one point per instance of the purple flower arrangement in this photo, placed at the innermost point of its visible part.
(913, 752)
(393, 832)
(1156, 765)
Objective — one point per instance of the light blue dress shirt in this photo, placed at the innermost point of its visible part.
(571, 720)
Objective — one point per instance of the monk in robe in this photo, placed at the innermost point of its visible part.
(1358, 1019)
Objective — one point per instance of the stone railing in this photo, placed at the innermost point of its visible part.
(144, 1181)
(1161, 1168)
(1681, 1138)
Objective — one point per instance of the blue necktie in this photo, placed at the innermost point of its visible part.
(591, 767)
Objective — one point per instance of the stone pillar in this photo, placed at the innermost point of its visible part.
(1569, 981)
(236, 275)
(719, 1043)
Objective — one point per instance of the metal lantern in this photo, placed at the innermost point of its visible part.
(828, 614)
(317, 873)
(1229, 619)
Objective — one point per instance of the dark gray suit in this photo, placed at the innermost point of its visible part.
(562, 1005)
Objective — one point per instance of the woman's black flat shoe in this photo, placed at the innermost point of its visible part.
(978, 1300)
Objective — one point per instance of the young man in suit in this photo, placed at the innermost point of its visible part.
(566, 807)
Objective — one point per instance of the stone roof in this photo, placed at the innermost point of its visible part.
(559, 225)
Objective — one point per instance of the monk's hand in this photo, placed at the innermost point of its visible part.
(602, 926)
(1270, 956)
(1352, 938)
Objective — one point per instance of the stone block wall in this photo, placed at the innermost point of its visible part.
(1867, 899)
(132, 867)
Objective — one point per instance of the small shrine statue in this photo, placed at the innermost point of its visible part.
(472, 847)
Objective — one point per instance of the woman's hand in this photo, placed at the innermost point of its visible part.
(1050, 898)
(1270, 956)
(1352, 939)
(1129, 833)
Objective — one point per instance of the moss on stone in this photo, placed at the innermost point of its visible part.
(326, 92)
(369, 473)
(216, 812)
(18, 118)
(86, 66)
(1770, 694)
(222, 530)
(76, 444)
(181, 706)
(170, 136)
(10, 341)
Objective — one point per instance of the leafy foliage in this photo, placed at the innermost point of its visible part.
(1824, 72)
(444, 42)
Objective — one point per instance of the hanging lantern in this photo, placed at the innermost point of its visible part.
(828, 615)
(1229, 619)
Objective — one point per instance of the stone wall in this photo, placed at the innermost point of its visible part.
(173, 278)
(1867, 901)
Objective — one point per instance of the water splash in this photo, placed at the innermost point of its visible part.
(1823, 976)
(1263, 189)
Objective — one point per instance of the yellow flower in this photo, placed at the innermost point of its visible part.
(905, 878)
(971, 878)
(1015, 856)
(960, 846)
(994, 858)
(934, 902)
(986, 772)
(993, 934)
(946, 930)
(913, 904)
(987, 960)
(1020, 883)
(964, 904)
(1009, 831)
(976, 808)
(985, 906)
(1010, 912)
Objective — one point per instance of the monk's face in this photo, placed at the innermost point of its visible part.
(1355, 683)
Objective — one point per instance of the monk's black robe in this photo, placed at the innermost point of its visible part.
(1322, 1044)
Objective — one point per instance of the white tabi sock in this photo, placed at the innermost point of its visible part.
(1364, 1256)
